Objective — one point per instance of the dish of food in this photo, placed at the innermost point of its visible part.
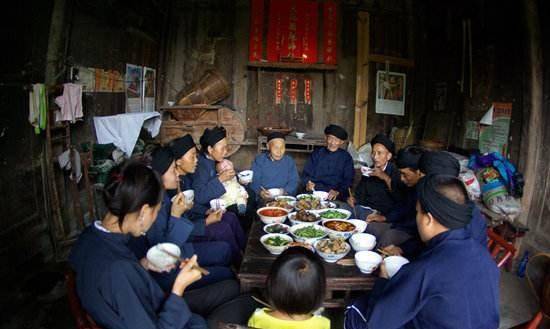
(276, 228)
(308, 197)
(340, 226)
(281, 204)
(309, 204)
(301, 244)
(333, 214)
(273, 212)
(305, 216)
(286, 198)
(276, 241)
(309, 232)
(331, 246)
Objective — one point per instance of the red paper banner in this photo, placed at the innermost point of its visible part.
(307, 91)
(278, 91)
(276, 14)
(310, 28)
(255, 48)
(330, 23)
(293, 92)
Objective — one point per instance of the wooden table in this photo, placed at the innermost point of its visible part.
(341, 280)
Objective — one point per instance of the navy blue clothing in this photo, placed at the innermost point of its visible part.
(118, 292)
(403, 215)
(330, 171)
(453, 284)
(374, 192)
(206, 184)
(274, 174)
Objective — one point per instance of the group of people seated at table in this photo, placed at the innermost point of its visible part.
(413, 202)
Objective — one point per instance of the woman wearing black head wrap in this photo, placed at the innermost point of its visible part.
(207, 185)
(439, 163)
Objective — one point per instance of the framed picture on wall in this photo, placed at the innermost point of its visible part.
(390, 92)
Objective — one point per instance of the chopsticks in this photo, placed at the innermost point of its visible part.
(383, 252)
(266, 304)
(197, 267)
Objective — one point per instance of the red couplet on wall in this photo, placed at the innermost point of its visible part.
(255, 47)
(330, 24)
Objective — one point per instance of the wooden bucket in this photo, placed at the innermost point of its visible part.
(211, 89)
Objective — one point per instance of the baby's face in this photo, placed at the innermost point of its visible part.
(224, 165)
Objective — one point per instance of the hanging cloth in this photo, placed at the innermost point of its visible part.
(37, 107)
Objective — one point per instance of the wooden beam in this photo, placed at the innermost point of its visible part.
(383, 59)
(362, 79)
(293, 66)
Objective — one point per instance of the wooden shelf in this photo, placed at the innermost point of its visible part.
(195, 106)
(293, 66)
(382, 59)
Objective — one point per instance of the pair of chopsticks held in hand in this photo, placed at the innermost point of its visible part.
(196, 267)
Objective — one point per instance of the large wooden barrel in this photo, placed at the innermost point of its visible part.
(194, 120)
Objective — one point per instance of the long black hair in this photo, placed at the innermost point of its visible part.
(130, 188)
(296, 283)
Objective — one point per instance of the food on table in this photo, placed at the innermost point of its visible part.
(330, 246)
(273, 212)
(301, 244)
(309, 232)
(281, 204)
(340, 226)
(277, 228)
(286, 198)
(305, 216)
(333, 214)
(307, 203)
(308, 197)
(276, 241)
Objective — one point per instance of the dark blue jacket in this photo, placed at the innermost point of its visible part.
(374, 192)
(403, 215)
(274, 174)
(118, 292)
(330, 170)
(453, 284)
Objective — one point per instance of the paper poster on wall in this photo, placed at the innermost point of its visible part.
(148, 89)
(390, 93)
(472, 130)
(133, 82)
(494, 137)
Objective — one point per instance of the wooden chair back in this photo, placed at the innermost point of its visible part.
(501, 250)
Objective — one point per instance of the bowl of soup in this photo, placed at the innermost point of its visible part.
(339, 229)
(271, 215)
(275, 243)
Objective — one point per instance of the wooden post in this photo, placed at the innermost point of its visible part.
(362, 79)
(55, 42)
(532, 131)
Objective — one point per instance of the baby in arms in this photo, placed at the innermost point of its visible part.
(235, 193)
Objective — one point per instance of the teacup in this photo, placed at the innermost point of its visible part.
(189, 196)
(217, 204)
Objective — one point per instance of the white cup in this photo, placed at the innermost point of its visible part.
(366, 171)
(217, 204)
(171, 103)
(189, 196)
(367, 261)
(394, 264)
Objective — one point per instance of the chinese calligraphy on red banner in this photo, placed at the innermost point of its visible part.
(255, 48)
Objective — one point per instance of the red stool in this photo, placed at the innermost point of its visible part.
(83, 320)
(501, 250)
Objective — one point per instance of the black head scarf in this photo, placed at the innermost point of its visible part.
(275, 135)
(439, 163)
(162, 158)
(211, 136)
(409, 157)
(383, 140)
(181, 145)
(447, 212)
(336, 131)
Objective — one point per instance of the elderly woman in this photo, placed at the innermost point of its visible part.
(207, 184)
(274, 169)
(112, 285)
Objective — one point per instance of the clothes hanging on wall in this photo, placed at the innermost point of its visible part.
(37, 107)
(70, 103)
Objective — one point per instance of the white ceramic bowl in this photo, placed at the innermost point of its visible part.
(366, 171)
(394, 264)
(331, 257)
(288, 198)
(305, 195)
(275, 250)
(321, 195)
(217, 204)
(300, 135)
(367, 261)
(309, 240)
(245, 176)
(275, 192)
(362, 241)
(270, 219)
(334, 234)
(189, 196)
(282, 226)
(294, 221)
(346, 213)
(360, 225)
(159, 258)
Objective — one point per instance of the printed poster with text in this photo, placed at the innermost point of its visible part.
(494, 137)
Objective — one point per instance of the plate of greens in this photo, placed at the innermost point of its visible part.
(307, 233)
(334, 214)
